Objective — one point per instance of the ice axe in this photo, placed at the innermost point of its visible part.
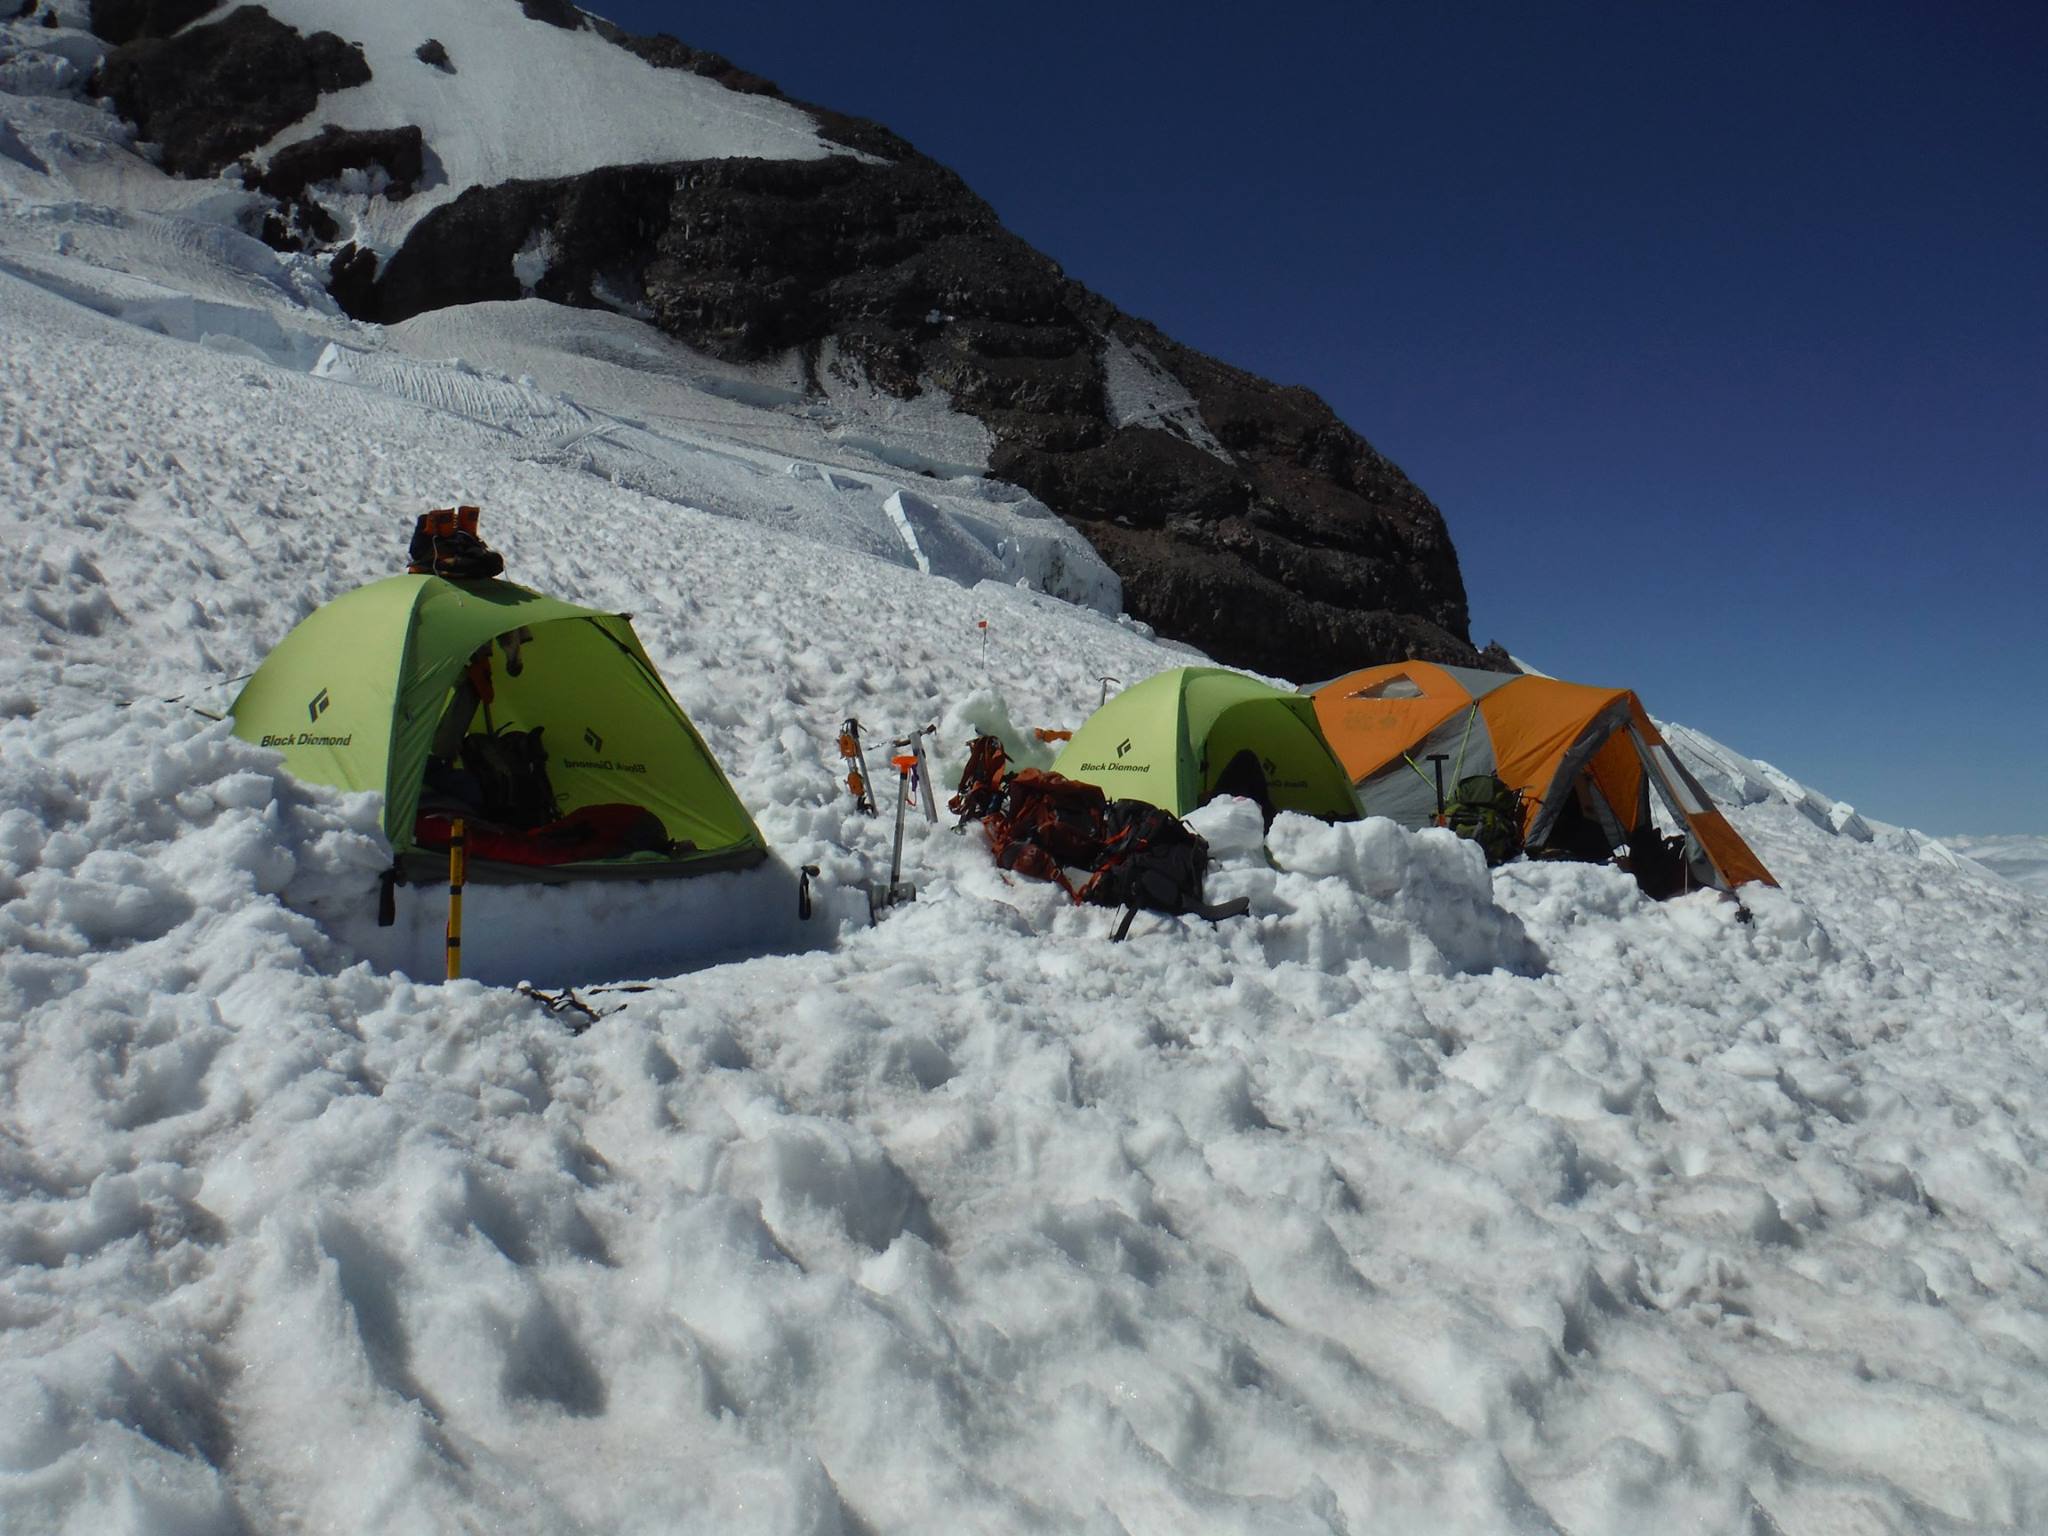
(922, 768)
(896, 891)
(1438, 759)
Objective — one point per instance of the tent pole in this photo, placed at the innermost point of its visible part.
(457, 869)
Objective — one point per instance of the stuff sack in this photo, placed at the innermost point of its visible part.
(511, 772)
(1486, 811)
(1150, 859)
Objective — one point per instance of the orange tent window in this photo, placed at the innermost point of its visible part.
(1399, 686)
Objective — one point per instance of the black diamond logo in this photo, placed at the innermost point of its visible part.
(318, 705)
(596, 741)
(1123, 747)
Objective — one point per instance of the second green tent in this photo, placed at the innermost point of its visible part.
(1179, 739)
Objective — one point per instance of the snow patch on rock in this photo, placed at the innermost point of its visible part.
(1142, 392)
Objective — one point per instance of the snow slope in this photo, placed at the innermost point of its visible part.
(1422, 1199)
(2021, 859)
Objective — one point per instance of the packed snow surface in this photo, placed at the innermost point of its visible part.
(1422, 1199)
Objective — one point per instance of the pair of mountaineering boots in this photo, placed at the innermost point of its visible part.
(446, 543)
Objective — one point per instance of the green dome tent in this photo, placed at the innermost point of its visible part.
(1179, 739)
(355, 694)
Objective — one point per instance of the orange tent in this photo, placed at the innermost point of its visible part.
(1585, 759)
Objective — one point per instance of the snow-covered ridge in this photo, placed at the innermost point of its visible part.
(583, 102)
(1423, 1199)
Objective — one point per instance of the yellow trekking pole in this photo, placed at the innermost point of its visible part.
(457, 863)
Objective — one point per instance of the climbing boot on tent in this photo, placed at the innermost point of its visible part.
(445, 543)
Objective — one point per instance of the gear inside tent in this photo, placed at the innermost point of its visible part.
(1585, 761)
(1180, 738)
(541, 725)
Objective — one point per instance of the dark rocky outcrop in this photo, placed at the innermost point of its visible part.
(398, 152)
(352, 278)
(433, 51)
(602, 226)
(211, 94)
(665, 52)
(556, 13)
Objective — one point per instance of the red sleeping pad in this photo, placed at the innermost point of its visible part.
(592, 833)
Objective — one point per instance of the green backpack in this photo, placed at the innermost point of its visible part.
(1484, 809)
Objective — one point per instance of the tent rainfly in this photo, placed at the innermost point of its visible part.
(1184, 736)
(1585, 759)
(355, 695)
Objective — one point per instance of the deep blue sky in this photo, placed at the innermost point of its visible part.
(1717, 331)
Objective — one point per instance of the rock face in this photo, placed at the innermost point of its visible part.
(1242, 516)
(398, 152)
(211, 94)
